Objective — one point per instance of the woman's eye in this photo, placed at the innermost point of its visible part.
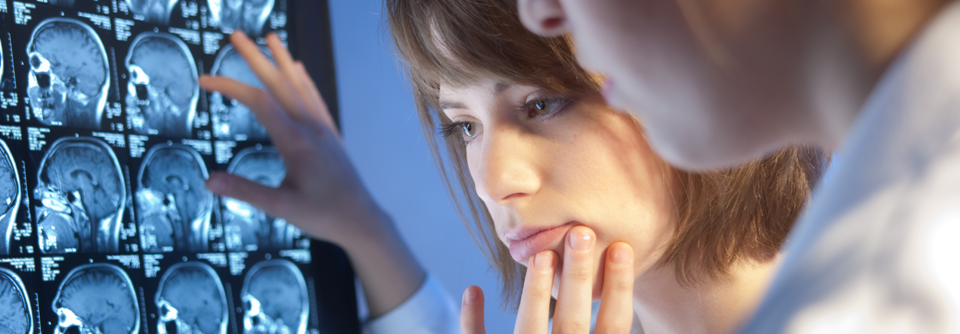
(469, 129)
(544, 107)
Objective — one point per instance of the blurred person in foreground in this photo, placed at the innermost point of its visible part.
(718, 83)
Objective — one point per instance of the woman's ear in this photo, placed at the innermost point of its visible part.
(543, 17)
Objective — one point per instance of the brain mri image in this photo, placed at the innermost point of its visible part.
(15, 315)
(163, 89)
(173, 204)
(248, 16)
(153, 11)
(68, 79)
(246, 227)
(82, 194)
(274, 299)
(96, 298)
(10, 190)
(191, 300)
(232, 120)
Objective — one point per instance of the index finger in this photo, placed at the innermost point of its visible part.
(535, 302)
(471, 312)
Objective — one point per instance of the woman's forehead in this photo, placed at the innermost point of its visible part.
(480, 85)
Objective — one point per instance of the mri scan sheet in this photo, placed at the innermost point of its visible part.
(16, 317)
(69, 74)
(174, 207)
(274, 299)
(10, 193)
(106, 145)
(97, 298)
(232, 120)
(248, 16)
(163, 89)
(246, 227)
(82, 193)
(191, 299)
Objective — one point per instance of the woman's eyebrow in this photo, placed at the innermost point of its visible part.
(444, 105)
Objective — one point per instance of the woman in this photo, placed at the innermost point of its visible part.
(547, 171)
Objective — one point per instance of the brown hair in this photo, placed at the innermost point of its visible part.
(724, 216)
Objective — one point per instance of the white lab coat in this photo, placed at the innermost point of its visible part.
(878, 249)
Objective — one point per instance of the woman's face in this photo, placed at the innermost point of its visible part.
(543, 164)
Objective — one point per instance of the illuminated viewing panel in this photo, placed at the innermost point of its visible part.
(106, 141)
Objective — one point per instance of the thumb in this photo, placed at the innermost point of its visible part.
(471, 312)
(265, 198)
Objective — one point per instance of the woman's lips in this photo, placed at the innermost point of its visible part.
(524, 242)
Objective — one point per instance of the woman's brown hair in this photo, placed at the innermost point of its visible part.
(724, 216)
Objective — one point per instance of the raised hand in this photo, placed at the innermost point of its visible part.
(572, 313)
(322, 193)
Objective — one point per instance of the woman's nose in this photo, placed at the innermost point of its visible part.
(507, 168)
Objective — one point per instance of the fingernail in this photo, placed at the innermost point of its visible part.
(580, 240)
(544, 260)
(469, 296)
(621, 255)
(216, 183)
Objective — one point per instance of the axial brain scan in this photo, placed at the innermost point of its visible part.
(10, 191)
(246, 227)
(274, 299)
(68, 79)
(153, 11)
(82, 193)
(15, 315)
(191, 300)
(163, 89)
(232, 120)
(97, 298)
(173, 204)
(248, 16)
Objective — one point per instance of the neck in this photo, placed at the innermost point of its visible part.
(852, 43)
(663, 305)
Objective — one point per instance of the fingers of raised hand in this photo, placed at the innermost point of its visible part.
(576, 282)
(270, 200)
(319, 105)
(616, 299)
(290, 70)
(471, 311)
(537, 287)
(279, 84)
(277, 123)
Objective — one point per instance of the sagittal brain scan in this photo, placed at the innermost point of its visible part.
(232, 120)
(173, 204)
(191, 300)
(15, 315)
(68, 79)
(97, 298)
(163, 89)
(10, 190)
(153, 11)
(246, 227)
(274, 299)
(248, 16)
(83, 194)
